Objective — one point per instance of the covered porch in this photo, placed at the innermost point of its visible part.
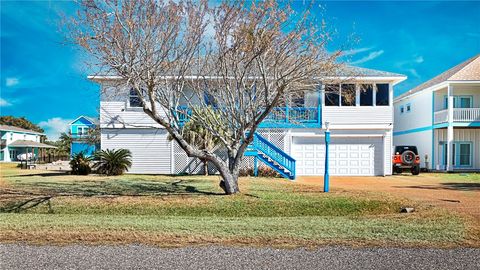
(464, 154)
(456, 120)
(26, 151)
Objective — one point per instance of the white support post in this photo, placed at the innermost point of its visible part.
(450, 129)
(357, 94)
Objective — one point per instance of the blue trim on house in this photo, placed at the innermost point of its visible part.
(433, 131)
(414, 130)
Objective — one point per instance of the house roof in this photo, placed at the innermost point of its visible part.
(92, 120)
(346, 71)
(28, 143)
(465, 71)
(367, 72)
(17, 129)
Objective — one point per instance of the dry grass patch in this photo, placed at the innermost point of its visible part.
(167, 210)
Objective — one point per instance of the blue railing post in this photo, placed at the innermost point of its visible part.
(287, 116)
(255, 166)
(326, 177)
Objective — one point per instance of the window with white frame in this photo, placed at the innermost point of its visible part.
(82, 131)
(134, 99)
(348, 94)
(382, 96)
(402, 109)
(332, 95)
(366, 95)
(408, 107)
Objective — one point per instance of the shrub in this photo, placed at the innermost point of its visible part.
(113, 162)
(80, 164)
(263, 171)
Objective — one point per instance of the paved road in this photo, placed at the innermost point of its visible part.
(19, 256)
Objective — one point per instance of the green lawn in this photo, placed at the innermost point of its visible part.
(178, 210)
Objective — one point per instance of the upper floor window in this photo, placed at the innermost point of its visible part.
(349, 95)
(408, 107)
(459, 102)
(402, 109)
(332, 95)
(134, 99)
(82, 130)
(382, 95)
(366, 95)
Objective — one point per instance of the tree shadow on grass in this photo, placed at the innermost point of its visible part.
(28, 195)
(447, 186)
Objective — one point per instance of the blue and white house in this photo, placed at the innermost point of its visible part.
(79, 130)
(293, 136)
(442, 118)
(15, 141)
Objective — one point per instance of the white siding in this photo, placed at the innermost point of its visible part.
(422, 140)
(151, 150)
(419, 116)
(115, 114)
(356, 115)
(459, 134)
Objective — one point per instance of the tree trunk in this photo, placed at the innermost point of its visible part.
(229, 183)
(205, 167)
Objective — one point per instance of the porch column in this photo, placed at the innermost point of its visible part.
(450, 129)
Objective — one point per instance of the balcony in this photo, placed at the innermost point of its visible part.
(464, 115)
(282, 117)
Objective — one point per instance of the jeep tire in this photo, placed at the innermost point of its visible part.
(415, 170)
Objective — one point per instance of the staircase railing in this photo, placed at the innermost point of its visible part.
(276, 154)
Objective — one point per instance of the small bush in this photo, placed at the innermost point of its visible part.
(113, 162)
(80, 164)
(263, 171)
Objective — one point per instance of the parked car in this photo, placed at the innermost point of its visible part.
(26, 156)
(406, 157)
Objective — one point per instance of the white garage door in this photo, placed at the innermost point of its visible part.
(346, 158)
(150, 148)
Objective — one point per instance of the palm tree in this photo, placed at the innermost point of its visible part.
(80, 164)
(113, 162)
(196, 134)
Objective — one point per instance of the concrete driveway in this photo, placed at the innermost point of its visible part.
(454, 191)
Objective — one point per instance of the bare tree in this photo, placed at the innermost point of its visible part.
(241, 59)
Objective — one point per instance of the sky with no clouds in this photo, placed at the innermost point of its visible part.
(44, 79)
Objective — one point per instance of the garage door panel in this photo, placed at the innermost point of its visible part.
(345, 158)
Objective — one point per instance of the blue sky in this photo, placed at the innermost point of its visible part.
(44, 79)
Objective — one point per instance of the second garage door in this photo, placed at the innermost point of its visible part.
(346, 157)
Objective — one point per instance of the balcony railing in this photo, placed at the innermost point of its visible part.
(459, 115)
(279, 117)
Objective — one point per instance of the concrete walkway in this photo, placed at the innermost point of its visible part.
(19, 256)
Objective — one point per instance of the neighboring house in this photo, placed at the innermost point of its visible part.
(15, 141)
(361, 130)
(442, 118)
(79, 130)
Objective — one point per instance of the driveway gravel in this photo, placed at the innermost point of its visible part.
(21, 256)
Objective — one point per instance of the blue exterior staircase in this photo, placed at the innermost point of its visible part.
(272, 156)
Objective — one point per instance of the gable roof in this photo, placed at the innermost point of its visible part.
(18, 129)
(465, 71)
(92, 120)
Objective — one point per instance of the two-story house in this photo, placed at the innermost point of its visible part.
(16, 141)
(361, 129)
(442, 118)
(80, 129)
